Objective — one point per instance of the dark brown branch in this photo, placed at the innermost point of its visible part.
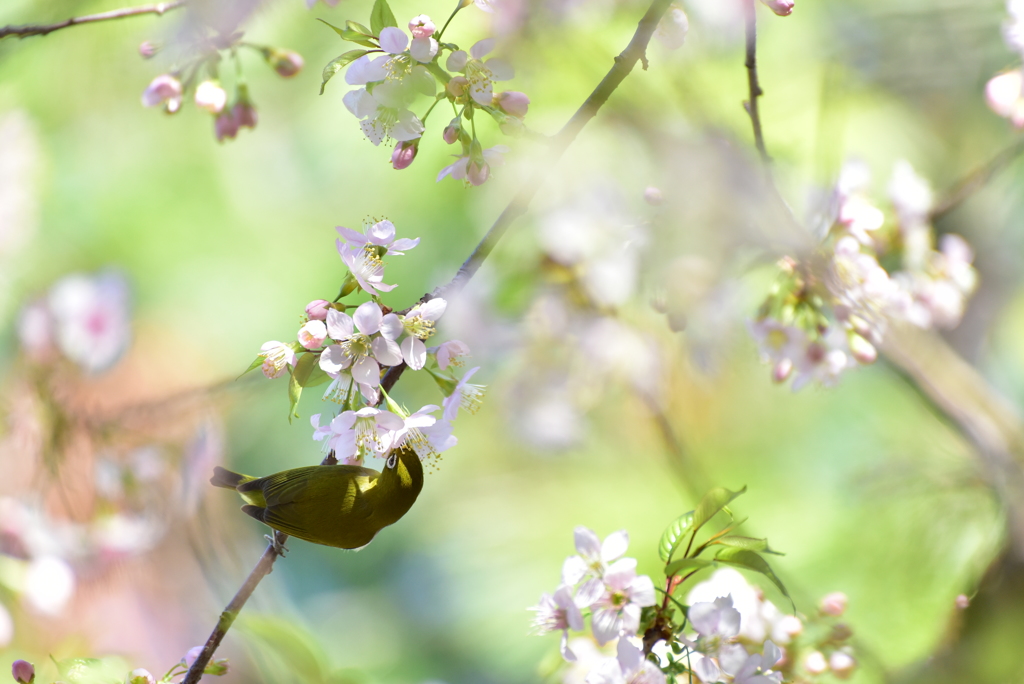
(635, 52)
(44, 29)
(754, 87)
(263, 568)
(976, 180)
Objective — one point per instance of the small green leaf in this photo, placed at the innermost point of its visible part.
(217, 668)
(748, 543)
(714, 501)
(360, 36)
(356, 27)
(339, 63)
(673, 535)
(254, 365)
(317, 376)
(751, 561)
(339, 31)
(300, 375)
(676, 567)
(381, 17)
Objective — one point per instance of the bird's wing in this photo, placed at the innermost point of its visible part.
(297, 484)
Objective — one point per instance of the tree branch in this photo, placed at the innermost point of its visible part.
(635, 52)
(44, 29)
(263, 568)
(976, 180)
(750, 16)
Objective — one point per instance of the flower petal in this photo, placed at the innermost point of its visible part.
(500, 70)
(391, 326)
(367, 318)
(587, 543)
(607, 625)
(414, 352)
(333, 360)
(386, 351)
(366, 372)
(615, 544)
(457, 61)
(393, 40)
(482, 47)
(339, 324)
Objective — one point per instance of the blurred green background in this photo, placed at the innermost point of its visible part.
(864, 487)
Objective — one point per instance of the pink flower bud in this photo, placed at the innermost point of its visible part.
(1004, 95)
(782, 370)
(313, 334)
(285, 62)
(403, 154)
(452, 131)
(783, 8)
(421, 26)
(244, 114)
(862, 350)
(652, 196)
(478, 172)
(841, 663)
(23, 672)
(962, 602)
(457, 86)
(211, 97)
(191, 656)
(833, 604)
(815, 663)
(225, 125)
(317, 309)
(164, 89)
(148, 49)
(514, 103)
(141, 676)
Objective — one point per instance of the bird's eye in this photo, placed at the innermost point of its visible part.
(392, 461)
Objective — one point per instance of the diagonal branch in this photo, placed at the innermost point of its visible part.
(754, 87)
(976, 180)
(43, 29)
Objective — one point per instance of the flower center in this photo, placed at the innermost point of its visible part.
(418, 327)
(472, 397)
(356, 346)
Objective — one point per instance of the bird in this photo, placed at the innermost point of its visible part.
(344, 506)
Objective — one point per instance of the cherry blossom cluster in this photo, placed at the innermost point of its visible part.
(741, 636)
(818, 322)
(602, 582)
(201, 76)
(83, 318)
(1004, 92)
(351, 352)
(394, 69)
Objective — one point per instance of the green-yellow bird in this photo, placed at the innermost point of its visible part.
(334, 505)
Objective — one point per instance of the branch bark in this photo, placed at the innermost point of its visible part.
(754, 87)
(43, 29)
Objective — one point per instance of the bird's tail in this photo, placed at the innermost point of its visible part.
(222, 477)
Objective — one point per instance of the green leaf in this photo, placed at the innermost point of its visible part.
(254, 365)
(300, 375)
(748, 543)
(339, 31)
(751, 561)
(339, 63)
(356, 27)
(355, 33)
(714, 501)
(381, 17)
(317, 376)
(675, 567)
(673, 536)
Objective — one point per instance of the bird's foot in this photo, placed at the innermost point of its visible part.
(279, 548)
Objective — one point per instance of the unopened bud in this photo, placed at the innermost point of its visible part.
(861, 349)
(403, 154)
(244, 114)
(833, 604)
(841, 663)
(815, 663)
(452, 131)
(421, 26)
(652, 196)
(225, 125)
(211, 97)
(514, 103)
(191, 656)
(286, 63)
(781, 370)
(840, 632)
(783, 8)
(962, 601)
(478, 172)
(148, 49)
(457, 86)
(317, 309)
(141, 676)
(23, 672)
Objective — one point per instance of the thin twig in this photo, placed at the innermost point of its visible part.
(263, 568)
(754, 87)
(976, 180)
(635, 52)
(44, 29)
